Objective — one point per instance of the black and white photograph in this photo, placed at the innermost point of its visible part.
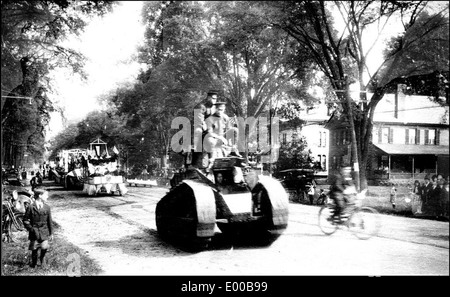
(231, 140)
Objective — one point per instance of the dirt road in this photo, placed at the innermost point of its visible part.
(119, 232)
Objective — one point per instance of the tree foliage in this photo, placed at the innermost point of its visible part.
(294, 154)
(258, 52)
(343, 55)
(192, 47)
(32, 45)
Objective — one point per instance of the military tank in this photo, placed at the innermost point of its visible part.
(243, 204)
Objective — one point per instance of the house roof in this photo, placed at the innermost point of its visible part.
(402, 149)
(411, 108)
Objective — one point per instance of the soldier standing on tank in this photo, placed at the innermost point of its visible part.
(217, 127)
(201, 112)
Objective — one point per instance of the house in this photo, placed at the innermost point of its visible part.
(410, 139)
(316, 136)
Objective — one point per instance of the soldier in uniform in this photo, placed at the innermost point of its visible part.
(201, 112)
(38, 221)
(217, 127)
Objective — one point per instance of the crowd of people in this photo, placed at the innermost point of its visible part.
(431, 196)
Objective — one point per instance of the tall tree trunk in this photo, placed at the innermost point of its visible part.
(366, 128)
(28, 88)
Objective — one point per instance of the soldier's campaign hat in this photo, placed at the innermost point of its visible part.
(212, 92)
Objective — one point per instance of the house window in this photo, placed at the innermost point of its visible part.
(421, 136)
(384, 135)
(398, 135)
(430, 136)
(334, 162)
(322, 139)
(284, 138)
(344, 137)
(410, 136)
(324, 162)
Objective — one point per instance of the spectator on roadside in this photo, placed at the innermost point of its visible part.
(36, 181)
(144, 173)
(426, 189)
(442, 201)
(38, 222)
(434, 178)
(434, 197)
(310, 189)
(417, 196)
(445, 199)
(393, 196)
(322, 198)
(301, 186)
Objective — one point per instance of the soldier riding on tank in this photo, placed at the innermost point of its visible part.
(217, 187)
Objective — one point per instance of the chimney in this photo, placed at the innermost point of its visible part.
(399, 100)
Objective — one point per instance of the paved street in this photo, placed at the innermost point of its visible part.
(120, 234)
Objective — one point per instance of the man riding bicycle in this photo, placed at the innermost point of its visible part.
(341, 184)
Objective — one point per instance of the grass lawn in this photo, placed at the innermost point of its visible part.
(63, 258)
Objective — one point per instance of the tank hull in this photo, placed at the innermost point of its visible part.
(193, 208)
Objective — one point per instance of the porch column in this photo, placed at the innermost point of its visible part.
(413, 167)
(436, 158)
(389, 172)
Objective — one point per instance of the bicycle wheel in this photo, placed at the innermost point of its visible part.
(364, 223)
(326, 223)
(17, 223)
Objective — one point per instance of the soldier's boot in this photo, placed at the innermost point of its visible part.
(42, 258)
(34, 258)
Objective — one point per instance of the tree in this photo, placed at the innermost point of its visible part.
(228, 46)
(343, 56)
(294, 154)
(32, 35)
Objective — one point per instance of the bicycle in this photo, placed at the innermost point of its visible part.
(362, 221)
(14, 206)
(12, 219)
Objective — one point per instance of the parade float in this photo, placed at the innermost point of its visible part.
(68, 171)
(101, 171)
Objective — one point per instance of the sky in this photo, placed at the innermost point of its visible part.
(109, 44)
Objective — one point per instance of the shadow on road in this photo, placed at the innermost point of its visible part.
(242, 241)
(143, 244)
(149, 244)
